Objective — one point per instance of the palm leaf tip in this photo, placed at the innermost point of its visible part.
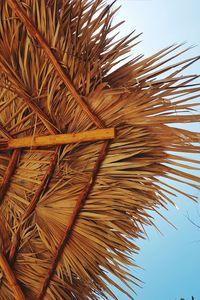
(71, 213)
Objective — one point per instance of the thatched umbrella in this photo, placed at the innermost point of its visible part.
(86, 147)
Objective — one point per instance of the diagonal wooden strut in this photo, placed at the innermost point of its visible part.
(4, 132)
(35, 108)
(11, 278)
(10, 168)
(59, 139)
(31, 207)
(65, 78)
(4, 265)
(80, 202)
(16, 153)
(8, 173)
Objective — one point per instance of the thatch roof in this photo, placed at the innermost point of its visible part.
(70, 212)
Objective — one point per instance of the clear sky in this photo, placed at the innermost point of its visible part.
(172, 260)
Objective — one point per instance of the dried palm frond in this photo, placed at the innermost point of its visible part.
(71, 213)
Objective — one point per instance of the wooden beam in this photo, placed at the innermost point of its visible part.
(4, 132)
(8, 173)
(31, 207)
(68, 231)
(59, 139)
(11, 278)
(38, 111)
(10, 168)
(63, 75)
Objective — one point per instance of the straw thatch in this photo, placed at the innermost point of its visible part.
(72, 212)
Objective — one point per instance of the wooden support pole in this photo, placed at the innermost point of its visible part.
(11, 278)
(8, 173)
(80, 203)
(10, 168)
(31, 207)
(59, 139)
(63, 75)
(4, 132)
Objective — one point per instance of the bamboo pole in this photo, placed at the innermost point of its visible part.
(65, 77)
(59, 139)
(11, 278)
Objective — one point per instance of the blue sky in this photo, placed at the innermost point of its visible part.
(171, 261)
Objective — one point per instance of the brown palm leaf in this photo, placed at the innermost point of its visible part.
(75, 193)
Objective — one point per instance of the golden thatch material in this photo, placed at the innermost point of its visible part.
(70, 212)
